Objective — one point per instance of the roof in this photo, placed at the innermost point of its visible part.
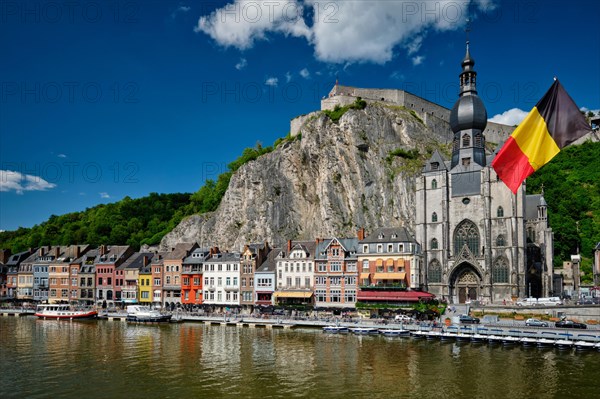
(387, 235)
(224, 257)
(307, 246)
(531, 206)
(348, 244)
(136, 261)
(399, 296)
(15, 259)
(180, 251)
(269, 265)
(436, 157)
(201, 254)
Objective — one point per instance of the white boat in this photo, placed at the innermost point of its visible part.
(478, 338)
(448, 336)
(364, 330)
(462, 337)
(433, 335)
(394, 332)
(494, 339)
(597, 346)
(64, 312)
(529, 341)
(510, 340)
(564, 344)
(584, 345)
(143, 314)
(418, 334)
(335, 329)
(545, 342)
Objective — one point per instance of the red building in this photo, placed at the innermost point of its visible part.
(191, 276)
(108, 288)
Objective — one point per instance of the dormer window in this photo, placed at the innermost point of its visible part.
(366, 249)
(435, 165)
(380, 236)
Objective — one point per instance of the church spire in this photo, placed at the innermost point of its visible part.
(468, 117)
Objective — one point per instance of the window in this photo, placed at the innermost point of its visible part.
(350, 296)
(466, 161)
(435, 272)
(244, 281)
(466, 140)
(466, 233)
(500, 241)
(435, 165)
(400, 247)
(219, 281)
(335, 252)
(434, 217)
(322, 267)
(335, 295)
(335, 266)
(500, 212)
(365, 265)
(320, 280)
(366, 249)
(251, 281)
(168, 280)
(335, 280)
(351, 267)
(321, 295)
(298, 283)
(235, 281)
(228, 281)
(289, 281)
(390, 248)
(379, 248)
(307, 282)
(500, 270)
(350, 281)
(434, 243)
(434, 184)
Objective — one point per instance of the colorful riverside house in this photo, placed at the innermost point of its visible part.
(144, 285)
(389, 262)
(266, 281)
(130, 270)
(252, 256)
(110, 257)
(191, 276)
(172, 266)
(25, 275)
(12, 273)
(86, 289)
(295, 274)
(221, 281)
(4, 256)
(156, 267)
(59, 273)
(336, 273)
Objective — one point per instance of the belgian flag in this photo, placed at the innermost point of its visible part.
(554, 123)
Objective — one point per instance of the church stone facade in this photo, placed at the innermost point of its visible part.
(479, 241)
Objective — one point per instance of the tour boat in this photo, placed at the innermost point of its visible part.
(143, 314)
(335, 329)
(64, 312)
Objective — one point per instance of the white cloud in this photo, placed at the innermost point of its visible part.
(418, 60)
(18, 182)
(341, 31)
(397, 75)
(511, 117)
(272, 81)
(104, 195)
(180, 9)
(305, 73)
(184, 8)
(242, 64)
(288, 77)
(61, 156)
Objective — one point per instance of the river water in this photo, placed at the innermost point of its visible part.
(102, 359)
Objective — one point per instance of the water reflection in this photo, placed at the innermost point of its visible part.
(102, 359)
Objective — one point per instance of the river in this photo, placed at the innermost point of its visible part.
(102, 359)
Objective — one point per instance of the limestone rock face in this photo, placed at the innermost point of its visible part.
(336, 178)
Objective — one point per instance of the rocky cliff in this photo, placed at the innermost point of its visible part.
(336, 178)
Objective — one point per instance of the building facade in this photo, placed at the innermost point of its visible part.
(336, 273)
(295, 274)
(222, 280)
(252, 256)
(471, 227)
(191, 276)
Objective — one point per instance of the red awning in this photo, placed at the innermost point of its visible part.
(399, 296)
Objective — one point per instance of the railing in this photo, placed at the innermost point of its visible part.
(389, 287)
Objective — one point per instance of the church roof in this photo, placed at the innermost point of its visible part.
(436, 158)
(531, 204)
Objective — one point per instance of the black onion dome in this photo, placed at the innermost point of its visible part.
(468, 113)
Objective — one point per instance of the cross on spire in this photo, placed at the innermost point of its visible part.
(467, 30)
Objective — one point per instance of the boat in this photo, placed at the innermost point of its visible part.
(364, 330)
(448, 336)
(597, 346)
(529, 341)
(584, 345)
(462, 337)
(545, 342)
(433, 335)
(564, 344)
(418, 334)
(335, 329)
(494, 339)
(143, 314)
(64, 312)
(394, 332)
(479, 338)
(510, 340)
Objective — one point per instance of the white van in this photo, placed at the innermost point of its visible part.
(549, 301)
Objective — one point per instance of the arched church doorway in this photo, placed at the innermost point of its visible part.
(466, 283)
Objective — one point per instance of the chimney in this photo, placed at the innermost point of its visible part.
(41, 251)
(4, 255)
(56, 251)
(146, 260)
(289, 246)
(77, 252)
(361, 234)
(102, 250)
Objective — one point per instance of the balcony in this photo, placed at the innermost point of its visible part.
(232, 288)
(384, 287)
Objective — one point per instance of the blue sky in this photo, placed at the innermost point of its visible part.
(101, 100)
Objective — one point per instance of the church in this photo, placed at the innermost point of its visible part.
(479, 240)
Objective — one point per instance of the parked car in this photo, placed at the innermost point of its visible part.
(466, 319)
(402, 318)
(535, 323)
(569, 324)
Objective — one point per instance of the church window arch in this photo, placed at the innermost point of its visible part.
(500, 212)
(434, 184)
(466, 140)
(434, 243)
(500, 270)
(500, 241)
(466, 233)
(434, 217)
(435, 272)
(478, 141)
